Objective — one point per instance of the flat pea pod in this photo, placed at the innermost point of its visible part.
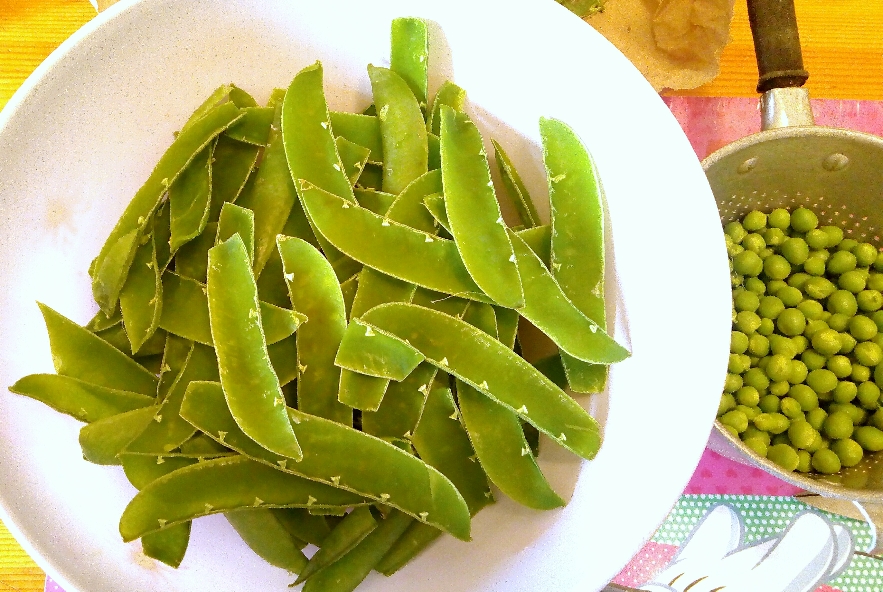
(524, 205)
(361, 391)
(450, 305)
(507, 325)
(346, 535)
(408, 208)
(374, 200)
(371, 177)
(344, 457)
(549, 309)
(201, 445)
(314, 291)
(348, 290)
(176, 350)
(102, 441)
(168, 545)
(448, 94)
(168, 430)
(415, 539)
(345, 574)
(236, 220)
(482, 316)
(112, 264)
(251, 387)
(141, 469)
(78, 353)
(433, 144)
(303, 525)
(141, 298)
(401, 406)
(539, 239)
(387, 246)
(191, 260)
(376, 288)
(261, 530)
(497, 372)
(363, 130)
(409, 55)
(435, 204)
(221, 485)
(473, 212)
(503, 451)
(402, 130)
(190, 197)
(233, 165)
(283, 357)
(161, 227)
(388, 357)
(353, 157)
(552, 368)
(82, 400)
(577, 242)
(253, 127)
(101, 321)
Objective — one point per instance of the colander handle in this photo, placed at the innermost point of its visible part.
(776, 44)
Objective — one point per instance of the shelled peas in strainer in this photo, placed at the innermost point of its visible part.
(804, 379)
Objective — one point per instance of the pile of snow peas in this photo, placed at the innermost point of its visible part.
(309, 323)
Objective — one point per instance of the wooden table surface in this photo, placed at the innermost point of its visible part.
(842, 48)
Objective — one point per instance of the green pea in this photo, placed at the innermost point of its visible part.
(877, 317)
(813, 360)
(838, 425)
(756, 378)
(826, 461)
(865, 254)
(876, 419)
(804, 461)
(750, 411)
(848, 451)
(747, 322)
(845, 391)
(732, 383)
(814, 266)
(862, 328)
(754, 242)
(860, 373)
(790, 408)
(875, 281)
(727, 403)
(735, 231)
(869, 300)
(822, 380)
(826, 342)
(869, 395)
(790, 322)
(748, 395)
(805, 396)
(767, 404)
(799, 372)
(855, 281)
(746, 300)
(758, 445)
(838, 322)
(755, 285)
(766, 327)
(790, 296)
(847, 343)
(774, 236)
(747, 263)
(738, 342)
(754, 221)
(843, 302)
(816, 418)
(778, 367)
(783, 455)
(878, 263)
(869, 437)
(735, 419)
(803, 220)
(769, 307)
(839, 365)
(855, 413)
(800, 343)
(781, 387)
(780, 439)
(758, 345)
(795, 250)
(819, 288)
(811, 309)
(840, 262)
(774, 423)
(801, 433)
(797, 280)
(776, 267)
(868, 353)
(835, 235)
(816, 238)
(782, 345)
(779, 218)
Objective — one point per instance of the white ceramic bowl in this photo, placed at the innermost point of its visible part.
(85, 130)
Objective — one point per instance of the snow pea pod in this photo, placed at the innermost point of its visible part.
(402, 130)
(190, 197)
(141, 299)
(507, 325)
(435, 204)
(377, 288)
(253, 127)
(486, 364)
(450, 305)
(416, 537)
(345, 457)
(401, 406)
(191, 260)
(237, 220)
(82, 400)
(303, 525)
(361, 391)
(168, 545)
(539, 239)
(353, 157)
(101, 321)
(409, 55)
(348, 290)
(112, 263)
(549, 309)
(102, 441)
(78, 353)
(577, 244)
(346, 535)
(161, 226)
(524, 205)
(314, 290)
(220, 485)
(261, 530)
(367, 351)
(251, 387)
(387, 246)
(141, 469)
(283, 357)
(473, 212)
(175, 353)
(483, 316)
(169, 430)
(363, 130)
(345, 574)
(376, 201)
(202, 445)
(234, 163)
(408, 208)
(448, 94)
(371, 177)
(433, 144)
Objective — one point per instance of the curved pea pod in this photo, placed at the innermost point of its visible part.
(497, 372)
(78, 353)
(401, 406)
(353, 157)
(370, 352)
(102, 441)
(402, 130)
(345, 457)
(314, 291)
(448, 94)
(415, 539)
(112, 264)
(187, 313)
(387, 246)
(191, 260)
(190, 199)
(409, 55)
(235, 219)
(254, 126)
(408, 208)
(435, 204)
(141, 469)
(345, 574)
(361, 391)
(168, 545)
(251, 387)
(524, 205)
(473, 212)
(483, 316)
(233, 163)
(168, 430)
(363, 130)
(539, 239)
(577, 242)
(141, 299)
(346, 535)
(82, 400)
(374, 200)
(267, 537)
(221, 485)
(549, 309)
(101, 321)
